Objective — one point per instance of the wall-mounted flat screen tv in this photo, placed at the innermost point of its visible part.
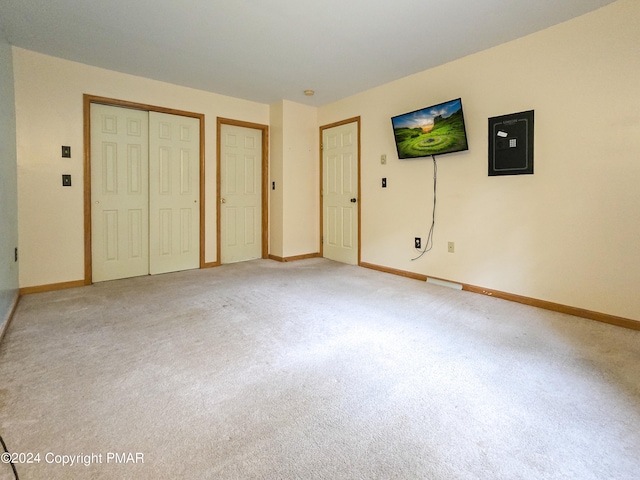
(434, 130)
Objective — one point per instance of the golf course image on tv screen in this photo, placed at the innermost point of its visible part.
(430, 131)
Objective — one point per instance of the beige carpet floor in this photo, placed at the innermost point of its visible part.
(313, 370)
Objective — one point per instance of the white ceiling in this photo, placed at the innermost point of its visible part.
(269, 50)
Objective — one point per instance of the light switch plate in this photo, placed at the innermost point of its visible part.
(66, 152)
(66, 180)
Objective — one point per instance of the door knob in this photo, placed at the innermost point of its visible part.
(353, 200)
(223, 200)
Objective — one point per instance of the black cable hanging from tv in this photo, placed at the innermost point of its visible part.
(6, 452)
(428, 245)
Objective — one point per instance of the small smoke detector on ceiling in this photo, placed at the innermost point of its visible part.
(309, 93)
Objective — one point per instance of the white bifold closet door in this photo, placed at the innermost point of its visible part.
(174, 192)
(145, 215)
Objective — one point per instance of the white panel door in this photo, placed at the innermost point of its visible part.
(119, 192)
(241, 193)
(174, 193)
(340, 193)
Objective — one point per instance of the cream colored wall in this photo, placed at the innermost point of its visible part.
(301, 180)
(48, 115)
(276, 169)
(567, 234)
(294, 204)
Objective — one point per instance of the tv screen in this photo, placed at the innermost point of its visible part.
(434, 130)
